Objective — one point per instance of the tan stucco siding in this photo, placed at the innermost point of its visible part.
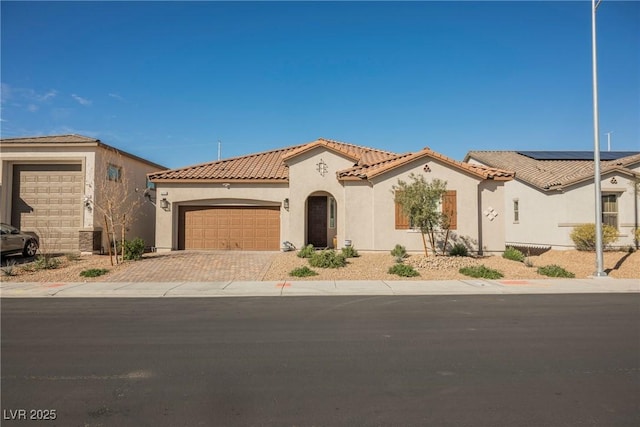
(547, 219)
(384, 235)
(305, 180)
(213, 194)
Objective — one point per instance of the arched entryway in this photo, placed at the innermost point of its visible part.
(321, 220)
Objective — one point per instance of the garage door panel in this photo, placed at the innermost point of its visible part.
(240, 228)
(47, 199)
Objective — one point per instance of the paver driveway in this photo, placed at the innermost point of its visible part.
(196, 266)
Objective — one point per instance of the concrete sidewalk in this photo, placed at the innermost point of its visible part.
(310, 288)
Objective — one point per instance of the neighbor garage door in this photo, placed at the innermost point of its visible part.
(47, 199)
(242, 228)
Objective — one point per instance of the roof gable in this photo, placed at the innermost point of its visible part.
(550, 175)
(377, 169)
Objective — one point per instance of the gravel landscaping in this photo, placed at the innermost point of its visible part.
(374, 266)
(369, 266)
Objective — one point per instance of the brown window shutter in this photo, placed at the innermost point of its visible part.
(402, 221)
(450, 208)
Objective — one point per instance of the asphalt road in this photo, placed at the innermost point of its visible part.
(538, 360)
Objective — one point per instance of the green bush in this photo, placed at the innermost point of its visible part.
(480, 271)
(513, 254)
(399, 251)
(636, 235)
(584, 236)
(555, 271)
(350, 252)
(72, 256)
(46, 262)
(403, 270)
(306, 252)
(133, 249)
(327, 259)
(9, 269)
(459, 250)
(94, 272)
(302, 272)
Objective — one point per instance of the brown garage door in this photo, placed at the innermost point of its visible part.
(242, 228)
(47, 199)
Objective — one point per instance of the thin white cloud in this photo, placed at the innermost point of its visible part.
(116, 96)
(49, 95)
(81, 100)
(32, 108)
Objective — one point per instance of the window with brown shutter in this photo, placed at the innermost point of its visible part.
(402, 221)
(450, 208)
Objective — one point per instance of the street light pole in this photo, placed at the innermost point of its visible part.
(596, 149)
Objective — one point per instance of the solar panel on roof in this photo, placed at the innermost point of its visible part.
(576, 155)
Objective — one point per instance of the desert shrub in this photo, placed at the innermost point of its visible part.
(584, 236)
(133, 249)
(513, 254)
(636, 234)
(306, 252)
(555, 271)
(459, 250)
(94, 272)
(46, 262)
(10, 268)
(350, 252)
(481, 271)
(72, 256)
(302, 272)
(327, 259)
(403, 270)
(399, 252)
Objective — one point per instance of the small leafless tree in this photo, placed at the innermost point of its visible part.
(116, 201)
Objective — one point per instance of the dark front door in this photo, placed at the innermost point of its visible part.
(317, 221)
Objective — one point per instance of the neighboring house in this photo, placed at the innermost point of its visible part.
(554, 191)
(51, 185)
(319, 193)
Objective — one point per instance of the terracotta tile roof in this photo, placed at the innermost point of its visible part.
(268, 166)
(57, 139)
(549, 174)
(373, 170)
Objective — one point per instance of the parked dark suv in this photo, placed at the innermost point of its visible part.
(15, 241)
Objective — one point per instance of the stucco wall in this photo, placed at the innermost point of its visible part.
(134, 178)
(305, 180)
(547, 219)
(371, 209)
(213, 194)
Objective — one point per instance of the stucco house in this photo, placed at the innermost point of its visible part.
(554, 191)
(323, 193)
(51, 185)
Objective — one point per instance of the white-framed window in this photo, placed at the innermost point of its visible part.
(114, 173)
(610, 210)
(516, 211)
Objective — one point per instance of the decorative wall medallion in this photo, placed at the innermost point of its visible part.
(490, 213)
(322, 168)
(426, 168)
(614, 180)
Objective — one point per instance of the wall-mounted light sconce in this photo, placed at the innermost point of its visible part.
(226, 185)
(164, 204)
(286, 204)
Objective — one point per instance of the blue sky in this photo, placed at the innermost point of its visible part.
(167, 80)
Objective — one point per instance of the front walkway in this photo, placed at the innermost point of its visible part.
(196, 266)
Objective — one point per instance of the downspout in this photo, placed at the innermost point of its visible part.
(479, 204)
